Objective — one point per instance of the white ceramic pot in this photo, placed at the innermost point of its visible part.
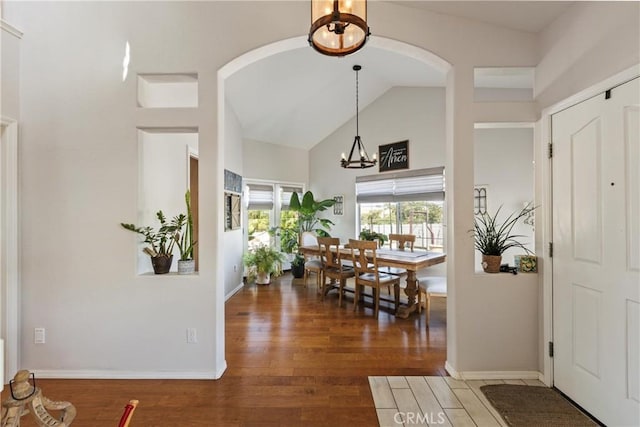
(186, 267)
(263, 279)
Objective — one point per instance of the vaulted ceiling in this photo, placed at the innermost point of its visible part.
(299, 97)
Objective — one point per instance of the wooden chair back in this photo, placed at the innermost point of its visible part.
(365, 264)
(361, 263)
(402, 240)
(329, 252)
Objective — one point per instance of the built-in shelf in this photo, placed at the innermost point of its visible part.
(503, 84)
(168, 90)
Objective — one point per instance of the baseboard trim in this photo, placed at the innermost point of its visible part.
(221, 371)
(451, 371)
(128, 375)
(233, 292)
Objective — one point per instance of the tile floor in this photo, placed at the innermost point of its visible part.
(441, 401)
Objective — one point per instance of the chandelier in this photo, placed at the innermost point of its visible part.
(338, 27)
(358, 157)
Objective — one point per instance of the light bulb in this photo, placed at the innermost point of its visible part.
(344, 157)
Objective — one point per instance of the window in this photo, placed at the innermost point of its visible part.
(407, 203)
(269, 215)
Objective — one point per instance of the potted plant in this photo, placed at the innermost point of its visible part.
(184, 241)
(160, 242)
(492, 237)
(308, 211)
(367, 234)
(297, 266)
(263, 262)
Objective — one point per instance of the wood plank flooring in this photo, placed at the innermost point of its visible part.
(429, 400)
(293, 360)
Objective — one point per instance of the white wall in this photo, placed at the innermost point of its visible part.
(233, 240)
(590, 42)
(9, 214)
(412, 113)
(10, 72)
(504, 163)
(273, 162)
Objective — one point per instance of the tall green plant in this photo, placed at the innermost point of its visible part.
(492, 237)
(308, 210)
(185, 242)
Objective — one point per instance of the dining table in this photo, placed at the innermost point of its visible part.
(407, 260)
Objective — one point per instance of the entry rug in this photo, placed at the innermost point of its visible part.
(524, 406)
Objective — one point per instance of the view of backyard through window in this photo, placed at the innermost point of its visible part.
(424, 219)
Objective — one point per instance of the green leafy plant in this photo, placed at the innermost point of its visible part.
(160, 240)
(298, 260)
(288, 238)
(367, 234)
(263, 260)
(185, 241)
(308, 210)
(492, 237)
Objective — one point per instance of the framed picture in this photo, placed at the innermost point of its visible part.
(232, 211)
(338, 206)
(394, 156)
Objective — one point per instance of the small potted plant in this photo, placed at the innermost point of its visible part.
(297, 266)
(493, 238)
(184, 241)
(262, 263)
(160, 242)
(367, 234)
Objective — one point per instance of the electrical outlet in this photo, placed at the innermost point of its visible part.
(39, 336)
(192, 336)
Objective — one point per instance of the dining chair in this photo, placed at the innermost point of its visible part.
(403, 240)
(367, 273)
(312, 264)
(332, 266)
(430, 286)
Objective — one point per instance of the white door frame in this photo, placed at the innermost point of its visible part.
(10, 247)
(546, 199)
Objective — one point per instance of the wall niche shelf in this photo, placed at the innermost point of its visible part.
(168, 90)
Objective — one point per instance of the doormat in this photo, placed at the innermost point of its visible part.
(523, 406)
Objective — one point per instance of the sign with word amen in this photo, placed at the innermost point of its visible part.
(394, 156)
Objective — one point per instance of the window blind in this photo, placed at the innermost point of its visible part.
(421, 184)
(260, 197)
(285, 195)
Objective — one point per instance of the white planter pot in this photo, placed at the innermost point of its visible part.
(186, 267)
(263, 279)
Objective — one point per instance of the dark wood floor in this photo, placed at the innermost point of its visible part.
(292, 358)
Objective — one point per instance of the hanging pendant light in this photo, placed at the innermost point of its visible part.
(358, 157)
(338, 27)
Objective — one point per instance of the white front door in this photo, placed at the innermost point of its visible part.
(596, 254)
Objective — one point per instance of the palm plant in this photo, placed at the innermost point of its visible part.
(308, 211)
